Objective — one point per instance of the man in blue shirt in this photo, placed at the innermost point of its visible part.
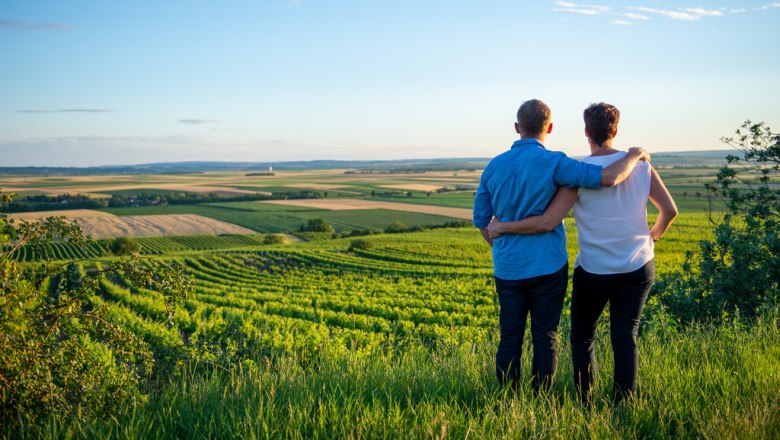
(531, 271)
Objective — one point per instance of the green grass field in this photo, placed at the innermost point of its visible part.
(698, 383)
(398, 341)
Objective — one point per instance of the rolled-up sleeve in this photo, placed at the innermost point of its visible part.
(483, 207)
(572, 173)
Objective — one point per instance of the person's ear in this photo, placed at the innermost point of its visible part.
(549, 128)
(517, 128)
(615, 135)
(587, 135)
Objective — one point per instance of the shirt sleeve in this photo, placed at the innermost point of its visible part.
(572, 173)
(483, 207)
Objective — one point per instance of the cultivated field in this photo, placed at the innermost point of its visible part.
(357, 204)
(394, 338)
(397, 340)
(104, 225)
(349, 201)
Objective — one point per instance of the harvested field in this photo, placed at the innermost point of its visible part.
(70, 214)
(57, 191)
(221, 190)
(320, 186)
(183, 187)
(353, 204)
(415, 187)
(103, 225)
(91, 184)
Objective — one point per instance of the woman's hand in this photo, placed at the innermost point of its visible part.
(494, 228)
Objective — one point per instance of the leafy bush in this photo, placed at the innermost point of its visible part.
(361, 244)
(397, 226)
(274, 239)
(318, 225)
(61, 350)
(124, 246)
(739, 271)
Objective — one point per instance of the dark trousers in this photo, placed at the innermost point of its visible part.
(626, 294)
(542, 296)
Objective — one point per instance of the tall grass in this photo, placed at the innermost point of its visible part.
(700, 382)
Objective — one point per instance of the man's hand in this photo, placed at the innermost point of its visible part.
(620, 170)
(643, 155)
(493, 227)
(486, 236)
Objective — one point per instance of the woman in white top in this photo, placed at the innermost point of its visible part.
(615, 260)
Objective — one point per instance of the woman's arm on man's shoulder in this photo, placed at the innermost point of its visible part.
(561, 204)
(667, 209)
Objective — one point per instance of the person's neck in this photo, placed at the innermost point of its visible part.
(538, 137)
(602, 149)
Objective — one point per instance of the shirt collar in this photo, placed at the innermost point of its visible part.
(527, 143)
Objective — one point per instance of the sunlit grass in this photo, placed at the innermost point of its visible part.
(700, 383)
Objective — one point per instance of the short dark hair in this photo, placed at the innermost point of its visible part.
(601, 121)
(532, 116)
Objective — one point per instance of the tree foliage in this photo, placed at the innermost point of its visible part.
(274, 239)
(738, 272)
(396, 226)
(360, 244)
(124, 246)
(61, 349)
(318, 225)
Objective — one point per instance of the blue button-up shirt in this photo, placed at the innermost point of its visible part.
(518, 184)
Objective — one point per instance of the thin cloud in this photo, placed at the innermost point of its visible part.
(27, 26)
(684, 14)
(580, 9)
(63, 141)
(633, 16)
(626, 18)
(703, 12)
(674, 15)
(564, 4)
(577, 11)
(198, 121)
(70, 110)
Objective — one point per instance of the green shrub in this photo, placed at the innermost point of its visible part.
(274, 239)
(124, 246)
(63, 352)
(361, 244)
(317, 225)
(738, 272)
(396, 226)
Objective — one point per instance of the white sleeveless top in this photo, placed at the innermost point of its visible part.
(612, 226)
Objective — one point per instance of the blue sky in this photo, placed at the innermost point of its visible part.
(127, 82)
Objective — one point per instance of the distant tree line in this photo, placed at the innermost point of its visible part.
(320, 229)
(52, 203)
(375, 193)
(457, 188)
(78, 201)
(416, 170)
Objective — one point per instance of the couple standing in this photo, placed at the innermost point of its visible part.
(522, 198)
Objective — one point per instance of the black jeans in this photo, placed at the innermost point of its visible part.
(542, 296)
(626, 293)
